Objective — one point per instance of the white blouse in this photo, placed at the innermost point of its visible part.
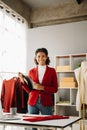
(41, 71)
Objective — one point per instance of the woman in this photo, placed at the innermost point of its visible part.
(44, 84)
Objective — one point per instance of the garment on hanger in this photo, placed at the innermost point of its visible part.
(12, 95)
(28, 81)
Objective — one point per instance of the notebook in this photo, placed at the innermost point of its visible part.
(7, 116)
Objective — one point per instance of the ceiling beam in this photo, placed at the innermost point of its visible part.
(62, 13)
(69, 12)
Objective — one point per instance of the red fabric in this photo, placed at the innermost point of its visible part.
(43, 118)
(7, 94)
(12, 95)
(50, 84)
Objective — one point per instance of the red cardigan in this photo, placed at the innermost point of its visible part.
(13, 95)
(50, 84)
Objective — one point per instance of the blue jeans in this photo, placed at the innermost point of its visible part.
(39, 108)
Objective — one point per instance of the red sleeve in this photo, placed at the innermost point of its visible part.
(25, 87)
(3, 93)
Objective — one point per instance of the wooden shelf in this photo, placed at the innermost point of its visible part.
(66, 96)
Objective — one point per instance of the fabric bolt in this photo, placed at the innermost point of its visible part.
(43, 118)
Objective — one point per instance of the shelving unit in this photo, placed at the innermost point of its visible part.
(65, 98)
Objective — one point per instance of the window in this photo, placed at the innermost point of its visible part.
(12, 42)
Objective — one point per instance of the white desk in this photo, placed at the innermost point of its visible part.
(52, 124)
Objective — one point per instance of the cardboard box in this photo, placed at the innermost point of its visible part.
(68, 84)
(63, 68)
(67, 79)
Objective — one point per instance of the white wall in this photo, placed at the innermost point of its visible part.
(58, 39)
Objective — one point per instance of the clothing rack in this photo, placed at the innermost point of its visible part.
(13, 89)
(7, 75)
(9, 72)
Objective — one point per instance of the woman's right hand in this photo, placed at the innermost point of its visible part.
(20, 75)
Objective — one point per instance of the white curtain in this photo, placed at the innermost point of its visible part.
(12, 46)
(12, 42)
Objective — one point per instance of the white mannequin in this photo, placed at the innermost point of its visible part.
(81, 77)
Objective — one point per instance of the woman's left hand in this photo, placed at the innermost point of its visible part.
(38, 86)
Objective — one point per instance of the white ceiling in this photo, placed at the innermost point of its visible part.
(44, 3)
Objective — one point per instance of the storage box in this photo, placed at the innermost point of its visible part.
(63, 68)
(67, 84)
(67, 79)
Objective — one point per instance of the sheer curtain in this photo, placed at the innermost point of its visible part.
(13, 30)
(12, 42)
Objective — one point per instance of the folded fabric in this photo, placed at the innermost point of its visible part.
(43, 118)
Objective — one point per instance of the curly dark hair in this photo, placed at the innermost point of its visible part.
(42, 50)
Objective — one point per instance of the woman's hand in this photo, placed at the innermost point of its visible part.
(20, 75)
(38, 86)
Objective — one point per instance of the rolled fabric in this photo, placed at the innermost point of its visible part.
(43, 118)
